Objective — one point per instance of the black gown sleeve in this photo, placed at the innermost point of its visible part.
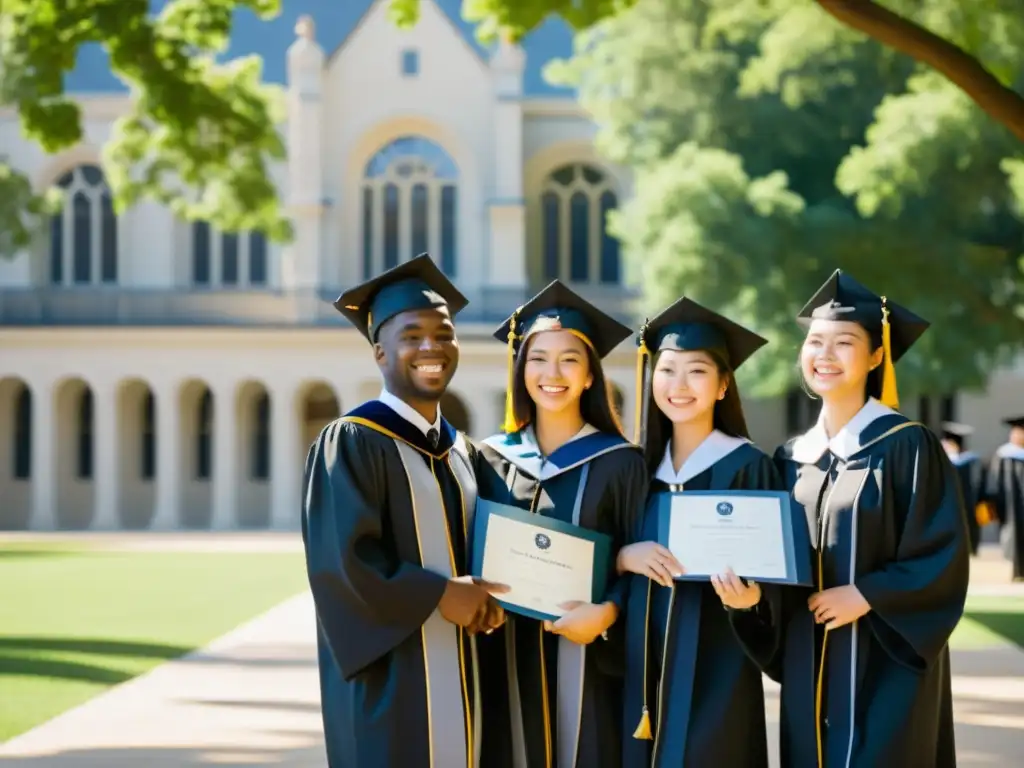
(629, 500)
(368, 601)
(917, 599)
(759, 629)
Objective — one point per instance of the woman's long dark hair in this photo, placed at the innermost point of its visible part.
(728, 415)
(596, 404)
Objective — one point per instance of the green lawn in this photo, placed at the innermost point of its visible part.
(990, 621)
(75, 621)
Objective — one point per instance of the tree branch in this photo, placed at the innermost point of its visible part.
(1003, 104)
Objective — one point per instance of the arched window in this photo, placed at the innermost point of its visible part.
(227, 259)
(260, 468)
(23, 434)
(85, 431)
(575, 202)
(409, 206)
(83, 235)
(204, 436)
(148, 468)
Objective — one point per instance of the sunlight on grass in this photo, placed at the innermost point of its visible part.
(75, 620)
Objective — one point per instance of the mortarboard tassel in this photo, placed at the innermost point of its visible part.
(890, 396)
(641, 359)
(643, 728)
(509, 425)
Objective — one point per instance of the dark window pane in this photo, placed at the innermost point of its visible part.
(23, 435)
(201, 253)
(257, 258)
(420, 230)
(229, 259)
(108, 221)
(609, 245)
(82, 239)
(579, 207)
(390, 226)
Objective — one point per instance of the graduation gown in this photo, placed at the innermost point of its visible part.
(703, 694)
(1004, 490)
(384, 526)
(565, 700)
(885, 513)
(969, 473)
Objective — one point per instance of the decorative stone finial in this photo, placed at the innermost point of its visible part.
(305, 27)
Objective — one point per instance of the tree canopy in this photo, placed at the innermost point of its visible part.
(770, 147)
(198, 136)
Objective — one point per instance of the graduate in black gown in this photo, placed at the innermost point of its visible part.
(388, 496)
(863, 660)
(693, 696)
(1004, 493)
(969, 472)
(562, 454)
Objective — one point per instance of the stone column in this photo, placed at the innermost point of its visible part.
(286, 481)
(225, 457)
(45, 476)
(168, 458)
(106, 469)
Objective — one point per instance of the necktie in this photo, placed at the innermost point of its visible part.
(433, 436)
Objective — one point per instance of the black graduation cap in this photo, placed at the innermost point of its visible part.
(843, 298)
(1014, 421)
(559, 308)
(416, 284)
(956, 432)
(686, 325)
(556, 308)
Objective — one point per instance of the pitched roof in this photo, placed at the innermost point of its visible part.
(335, 21)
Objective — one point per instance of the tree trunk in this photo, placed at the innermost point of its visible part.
(1003, 104)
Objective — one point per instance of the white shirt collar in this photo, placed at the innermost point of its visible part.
(713, 448)
(409, 413)
(1010, 451)
(809, 447)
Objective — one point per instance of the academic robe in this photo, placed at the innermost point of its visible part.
(569, 713)
(969, 473)
(704, 696)
(884, 512)
(384, 525)
(1004, 490)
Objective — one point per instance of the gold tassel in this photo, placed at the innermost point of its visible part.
(890, 397)
(643, 730)
(509, 425)
(641, 358)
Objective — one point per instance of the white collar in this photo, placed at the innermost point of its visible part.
(712, 449)
(809, 447)
(409, 413)
(958, 459)
(530, 437)
(1010, 451)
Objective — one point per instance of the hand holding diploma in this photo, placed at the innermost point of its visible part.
(466, 602)
(734, 592)
(584, 622)
(650, 559)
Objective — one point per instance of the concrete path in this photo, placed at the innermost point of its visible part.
(251, 699)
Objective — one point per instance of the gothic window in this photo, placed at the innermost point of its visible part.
(576, 245)
(83, 235)
(409, 206)
(23, 434)
(227, 259)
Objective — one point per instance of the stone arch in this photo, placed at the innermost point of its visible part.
(75, 448)
(196, 405)
(318, 405)
(16, 471)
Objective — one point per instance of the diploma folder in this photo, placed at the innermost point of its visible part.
(602, 545)
(795, 536)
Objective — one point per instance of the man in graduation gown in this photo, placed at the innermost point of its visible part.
(969, 472)
(1004, 491)
(388, 498)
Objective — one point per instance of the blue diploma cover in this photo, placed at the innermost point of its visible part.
(753, 532)
(544, 561)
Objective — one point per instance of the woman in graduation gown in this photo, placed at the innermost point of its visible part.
(697, 697)
(863, 660)
(1003, 494)
(562, 454)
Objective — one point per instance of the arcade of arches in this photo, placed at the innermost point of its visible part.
(133, 456)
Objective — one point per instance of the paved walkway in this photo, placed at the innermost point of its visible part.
(251, 699)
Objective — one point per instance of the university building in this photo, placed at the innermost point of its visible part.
(156, 373)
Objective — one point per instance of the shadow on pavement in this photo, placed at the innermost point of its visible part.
(309, 756)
